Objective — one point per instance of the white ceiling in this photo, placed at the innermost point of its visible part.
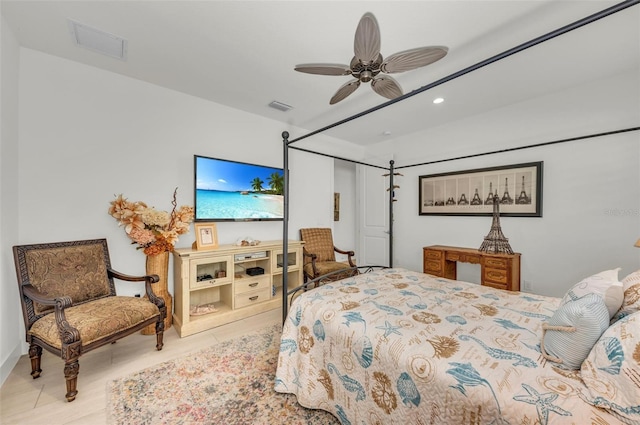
(242, 53)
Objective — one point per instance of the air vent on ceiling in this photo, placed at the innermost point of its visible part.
(98, 40)
(280, 106)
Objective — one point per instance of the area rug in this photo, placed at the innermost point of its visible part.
(230, 383)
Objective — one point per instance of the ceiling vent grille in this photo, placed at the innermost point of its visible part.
(98, 40)
(280, 106)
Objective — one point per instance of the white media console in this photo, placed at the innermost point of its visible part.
(213, 287)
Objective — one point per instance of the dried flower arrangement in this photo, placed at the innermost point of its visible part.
(154, 231)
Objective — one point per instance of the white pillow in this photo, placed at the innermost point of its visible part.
(631, 303)
(605, 284)
(610, 372)
(569, 336)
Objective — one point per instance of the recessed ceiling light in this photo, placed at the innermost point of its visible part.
(438, 100)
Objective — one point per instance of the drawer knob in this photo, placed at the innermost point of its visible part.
(255, 297)
(253, 285)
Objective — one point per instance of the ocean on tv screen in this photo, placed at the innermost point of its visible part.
(216, 204)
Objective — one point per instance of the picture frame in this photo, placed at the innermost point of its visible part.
(471, 192)
(206, 236)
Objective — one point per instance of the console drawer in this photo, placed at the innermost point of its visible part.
(248, 298)
(247, 284)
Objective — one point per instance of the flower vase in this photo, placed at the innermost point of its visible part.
(159, 264)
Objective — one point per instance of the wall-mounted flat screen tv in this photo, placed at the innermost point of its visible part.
(237, 191)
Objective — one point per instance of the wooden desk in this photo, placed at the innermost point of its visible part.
(500, 271)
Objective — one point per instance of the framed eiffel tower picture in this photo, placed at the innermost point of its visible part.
(472, 192)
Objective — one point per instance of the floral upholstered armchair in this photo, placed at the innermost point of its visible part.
(70, 305)
(320, 256)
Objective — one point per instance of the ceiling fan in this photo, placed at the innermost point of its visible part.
(368, 64)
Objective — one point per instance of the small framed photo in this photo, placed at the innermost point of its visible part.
(206, 236)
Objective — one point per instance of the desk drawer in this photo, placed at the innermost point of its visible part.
(496, 285)
(432, 255)
(495, 276)
(495, 263)
(246, 299)
(463, 257)
(247, 284)
(433, 267)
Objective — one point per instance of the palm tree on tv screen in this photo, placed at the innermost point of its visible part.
(276, 182)
(256, 184)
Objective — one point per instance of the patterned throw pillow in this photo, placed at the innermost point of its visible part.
(631, 303)
(611, 372)
(605, 284)
(569, 336)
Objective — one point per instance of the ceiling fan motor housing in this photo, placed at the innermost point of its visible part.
(365, 70)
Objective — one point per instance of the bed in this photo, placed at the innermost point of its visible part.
(400, 347)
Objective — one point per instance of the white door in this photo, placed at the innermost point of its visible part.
(373, 216)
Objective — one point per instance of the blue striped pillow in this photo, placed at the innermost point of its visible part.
(574, 328)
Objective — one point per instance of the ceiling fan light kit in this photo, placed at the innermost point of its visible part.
(368, 63)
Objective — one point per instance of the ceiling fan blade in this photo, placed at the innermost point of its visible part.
(323, 68)
(344, 91)
(366, 45)
(386, 86)
(413, 58)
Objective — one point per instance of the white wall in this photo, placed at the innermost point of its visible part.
(11, 330)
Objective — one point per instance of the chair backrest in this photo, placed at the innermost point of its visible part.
(319, 241)
(76, 269)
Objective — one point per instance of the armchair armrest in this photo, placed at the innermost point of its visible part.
(350, 254)
(68, 334)
(313, 257)
(30, 291)
(148, 280)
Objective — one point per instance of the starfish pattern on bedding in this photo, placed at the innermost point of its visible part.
(543, 402)
(389, 329)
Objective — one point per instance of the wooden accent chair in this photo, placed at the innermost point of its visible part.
(70, 306)
(319, 255)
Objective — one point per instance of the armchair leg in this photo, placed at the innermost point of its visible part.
(159, 343)
(71, 370)
(35, 354)
(159, 334)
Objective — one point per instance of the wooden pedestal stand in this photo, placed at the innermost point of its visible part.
(159, 264)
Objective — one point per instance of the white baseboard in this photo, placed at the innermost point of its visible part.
(10, 362)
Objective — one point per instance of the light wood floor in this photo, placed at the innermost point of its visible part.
(26, 401)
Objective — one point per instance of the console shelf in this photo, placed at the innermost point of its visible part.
(239, 281)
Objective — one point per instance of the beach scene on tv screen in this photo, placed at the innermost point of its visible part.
(237, 191)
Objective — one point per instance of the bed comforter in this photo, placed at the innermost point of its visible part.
(400, 347)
